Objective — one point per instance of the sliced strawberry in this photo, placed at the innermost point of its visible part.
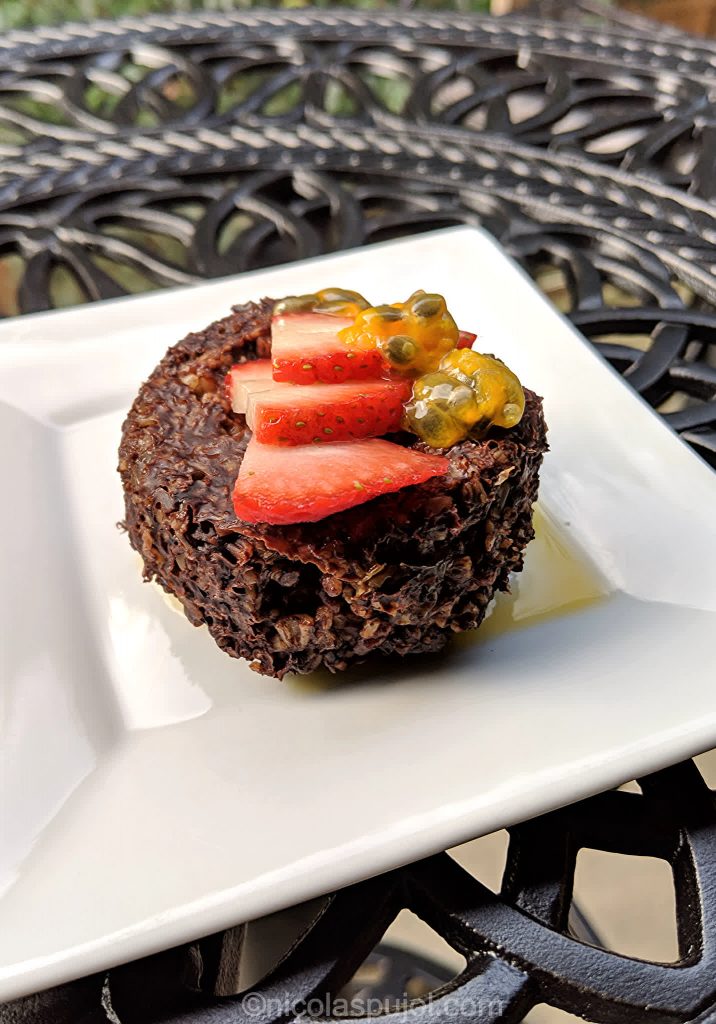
(306, 349)
(466, 339)
(243, 378)
(303, 485)
(287, 414)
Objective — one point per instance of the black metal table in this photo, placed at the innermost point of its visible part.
(139, 154)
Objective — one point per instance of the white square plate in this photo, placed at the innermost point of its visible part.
(154, 790)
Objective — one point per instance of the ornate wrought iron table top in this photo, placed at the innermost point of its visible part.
(144, 153)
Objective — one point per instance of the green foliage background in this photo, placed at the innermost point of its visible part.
(26, 13)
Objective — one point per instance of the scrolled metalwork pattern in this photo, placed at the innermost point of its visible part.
(520, 944)
(146, 153)
(639, 102)
(182, 205)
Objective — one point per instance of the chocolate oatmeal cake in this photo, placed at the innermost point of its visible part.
(397, 574)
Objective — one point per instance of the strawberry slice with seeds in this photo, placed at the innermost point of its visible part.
(244, 378)
(292, 415)
(305, 484)
(306, 349)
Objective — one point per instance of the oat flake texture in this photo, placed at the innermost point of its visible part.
(396, 575)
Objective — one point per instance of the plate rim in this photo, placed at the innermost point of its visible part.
(220, 911)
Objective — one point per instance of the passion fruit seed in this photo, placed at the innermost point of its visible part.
(498, 388)
(503, 400)
(512, 413)
(433, 387)
(423, 320)
(428, 306)
(436, 427)
(342, 295)
(336, 301)
(462, 363)
(464, 406)
(295, 304)
(378, 315)
(400, 350)
(471, 391)
(389, 314)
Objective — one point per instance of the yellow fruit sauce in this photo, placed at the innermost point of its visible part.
(457, 393)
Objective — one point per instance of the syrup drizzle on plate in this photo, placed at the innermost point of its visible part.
(557, 579)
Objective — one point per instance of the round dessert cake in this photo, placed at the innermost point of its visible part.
(398, 574)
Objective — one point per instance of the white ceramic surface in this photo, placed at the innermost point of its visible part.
(153, 789)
